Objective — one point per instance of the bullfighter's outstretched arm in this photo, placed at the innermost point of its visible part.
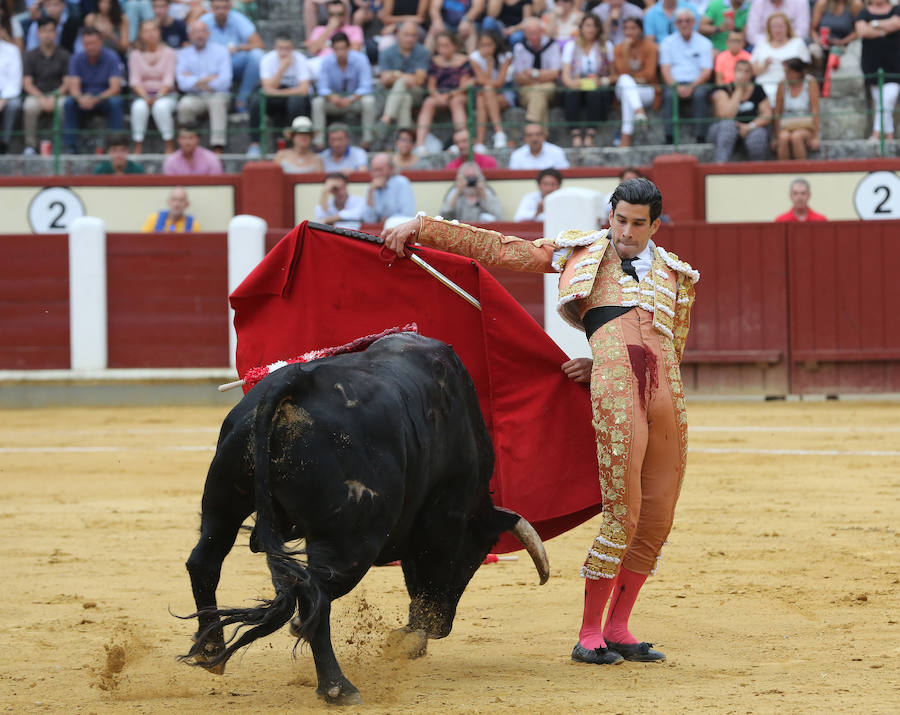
(489, 248)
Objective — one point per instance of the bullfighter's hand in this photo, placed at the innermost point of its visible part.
(397, 237)
(578, 369)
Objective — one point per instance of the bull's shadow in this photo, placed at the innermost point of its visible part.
(369, 457)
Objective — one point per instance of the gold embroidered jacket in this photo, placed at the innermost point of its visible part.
(581, 258)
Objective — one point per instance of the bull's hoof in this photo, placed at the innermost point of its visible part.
(341, 692)
(406, 643)
(203, 654)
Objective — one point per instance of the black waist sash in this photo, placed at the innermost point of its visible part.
(597, 317)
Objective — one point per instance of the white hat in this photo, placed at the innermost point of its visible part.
(301, 125)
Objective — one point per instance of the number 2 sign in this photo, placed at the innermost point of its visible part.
(877, 197)
(54, 209)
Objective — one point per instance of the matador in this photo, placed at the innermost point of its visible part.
(633, 301)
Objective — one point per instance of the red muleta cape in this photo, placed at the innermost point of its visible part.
(316, 289)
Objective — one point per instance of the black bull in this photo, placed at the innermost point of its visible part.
(369, 457)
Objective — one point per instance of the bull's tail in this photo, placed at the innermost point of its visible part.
(290, 577)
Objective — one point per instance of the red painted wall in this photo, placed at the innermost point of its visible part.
(167, 300)
(34, 302)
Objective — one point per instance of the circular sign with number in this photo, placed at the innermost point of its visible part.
(54, 209)
(877, 197)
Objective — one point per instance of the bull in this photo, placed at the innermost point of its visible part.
(369, 457)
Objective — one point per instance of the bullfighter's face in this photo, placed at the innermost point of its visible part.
(631, 228)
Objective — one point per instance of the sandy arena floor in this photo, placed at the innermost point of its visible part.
(778, 590)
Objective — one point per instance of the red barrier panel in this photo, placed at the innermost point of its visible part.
(739, 333)
(844, 299)
(167, 300)
(34, 302)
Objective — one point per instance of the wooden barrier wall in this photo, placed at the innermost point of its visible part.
(781, 308)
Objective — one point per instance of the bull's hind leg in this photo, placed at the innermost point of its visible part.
(218, 531)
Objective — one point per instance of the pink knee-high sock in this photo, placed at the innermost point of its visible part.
(624, 594)
(596, 593)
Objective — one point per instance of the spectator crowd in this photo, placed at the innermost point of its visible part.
(747, 74)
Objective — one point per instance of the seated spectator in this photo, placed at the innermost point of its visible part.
(315, 13)
(800, 210)
(507, 17)
(457, 16)
(337, 207)
(389, 195)
(744, 112)
(66, 26)
(395, 12)
(448, 77)
(45, 68)
(537, 152)
(490, 65)
(536, 66)
(879, 27)
(340, 156)
(174, 219)
(562, 20)
(461, 149)
(10, 89)
(404, 158)
(234, 31)
(136, 12)
(203, 74)
(728, 58)
(757, 28)
(112, 24)
(151, 71)
(685, 62)
(832, 26)
(659, 20)
(586, 68)
(174, 32)
(635, 65)
(613, 14)
(768, 56)
(317, 44)
(531, 207)
(404, 69)
(470, 199)
(95, 85)
(796, 112)
(118, 162)
(298, 157)
(720, 19)
(344, 87)
(285, 80)
(191, 159)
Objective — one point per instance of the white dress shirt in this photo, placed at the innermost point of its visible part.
(351, 215)
(549, 157)
(643, 260)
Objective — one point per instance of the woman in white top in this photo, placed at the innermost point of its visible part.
(490, 63)
(796, 112)
(780, 44)
(586, 67)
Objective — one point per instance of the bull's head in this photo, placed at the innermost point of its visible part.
(437, 575)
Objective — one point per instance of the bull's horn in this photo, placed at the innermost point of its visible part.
(525, 533)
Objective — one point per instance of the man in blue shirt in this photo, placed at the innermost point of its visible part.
(389, 195)
(203, 74)
(659, 20)
(686, 63)
(66, 26)
(404, 69)
(95, 84)
(340, 156)
(233, 30)
(344, 86)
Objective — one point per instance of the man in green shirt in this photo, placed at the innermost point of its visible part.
(118, 161)
(716, 26)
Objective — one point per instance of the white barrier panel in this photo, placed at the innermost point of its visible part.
(87, 294)
(246, 248)
(563, 210)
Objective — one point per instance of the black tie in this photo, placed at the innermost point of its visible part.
(628, 267)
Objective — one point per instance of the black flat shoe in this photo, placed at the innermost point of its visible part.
(595, 656)
(638, 652)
